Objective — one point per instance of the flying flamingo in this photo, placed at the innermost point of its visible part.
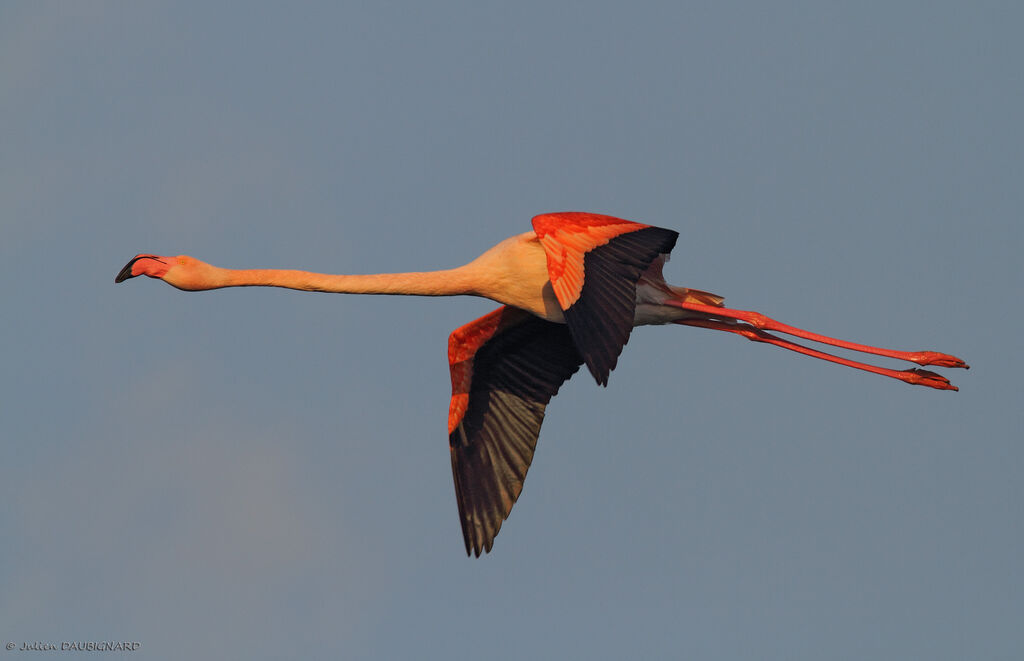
(572, 290)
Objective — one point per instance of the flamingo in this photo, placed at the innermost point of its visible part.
(571, 292)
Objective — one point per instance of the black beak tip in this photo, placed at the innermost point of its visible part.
(126, 272)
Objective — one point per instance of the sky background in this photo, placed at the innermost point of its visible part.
(264, 474)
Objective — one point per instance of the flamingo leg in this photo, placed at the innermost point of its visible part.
(762, 323)
(916, 377)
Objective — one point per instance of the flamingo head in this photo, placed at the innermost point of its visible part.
(181, 271)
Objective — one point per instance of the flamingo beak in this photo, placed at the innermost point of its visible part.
(129, 269)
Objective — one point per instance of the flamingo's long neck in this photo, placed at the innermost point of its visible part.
(452, 282)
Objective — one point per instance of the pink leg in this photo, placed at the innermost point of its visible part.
(763, 323)
(915, 376)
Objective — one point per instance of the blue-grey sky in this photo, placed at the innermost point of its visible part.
(264, 474)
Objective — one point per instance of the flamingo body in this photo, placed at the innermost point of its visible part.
(571, 292)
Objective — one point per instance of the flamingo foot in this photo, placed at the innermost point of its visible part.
(937, 359)
(919, 377)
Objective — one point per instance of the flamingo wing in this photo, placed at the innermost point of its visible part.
(505, 367)
(594, 264)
